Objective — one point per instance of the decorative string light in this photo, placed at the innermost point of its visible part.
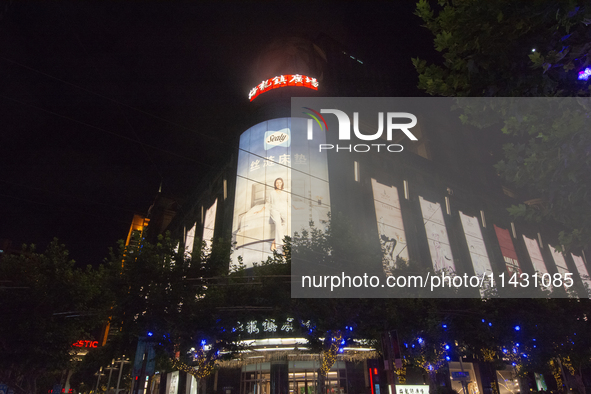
(329, 356)
(401, 372)
(205, 365)
(556, 373)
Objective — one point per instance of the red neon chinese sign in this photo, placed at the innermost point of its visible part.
(282, 81)
(85, 344)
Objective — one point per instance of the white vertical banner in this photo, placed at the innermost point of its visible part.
(560, 262)
(191, 384)
(533, 249)
(437, 238)
(583, 273)
(209, 224)
(190, 239)
(535, 254)
(390, 226)
(476, 247)
(172, 384)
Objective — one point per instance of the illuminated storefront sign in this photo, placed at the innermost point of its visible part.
(476, 246)
(265, 326)
(390, 226)
(209, 224)
(85, 343)
(282, 81)
(412, 389)
(281, 185)
(508, 250)
(439, 248)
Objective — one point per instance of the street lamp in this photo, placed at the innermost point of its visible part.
(122, 360)
(110, 368)
(98, 379)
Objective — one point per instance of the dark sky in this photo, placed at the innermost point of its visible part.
(101, 101)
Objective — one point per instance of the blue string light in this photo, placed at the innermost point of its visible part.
(517, 328)
(585, 74)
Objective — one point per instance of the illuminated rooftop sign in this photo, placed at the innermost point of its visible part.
(282, 81)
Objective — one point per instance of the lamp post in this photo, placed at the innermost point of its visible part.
(110, 368)
(122, 360)
(98, 379)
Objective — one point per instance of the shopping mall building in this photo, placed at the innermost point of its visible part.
(426, 192)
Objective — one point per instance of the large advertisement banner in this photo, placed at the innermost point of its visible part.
(437, 238)
(583, 273)
(279, 172)
(508, 251)
(476, 246)
(209, 224)
(390, 226)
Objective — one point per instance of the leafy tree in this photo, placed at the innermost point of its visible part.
(46, 305)
(155, 289)
(523, 49)
(503, 48)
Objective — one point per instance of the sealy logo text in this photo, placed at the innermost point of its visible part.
(277, 138)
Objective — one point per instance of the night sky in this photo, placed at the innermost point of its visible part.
(103, 101)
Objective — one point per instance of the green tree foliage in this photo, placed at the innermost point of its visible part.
(523, 49)
(488, 48)
(156, 287)
(46, 305)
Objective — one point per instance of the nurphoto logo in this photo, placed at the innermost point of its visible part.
(344, 121)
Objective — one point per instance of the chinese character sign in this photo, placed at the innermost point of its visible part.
(412, 389)
(282, 81)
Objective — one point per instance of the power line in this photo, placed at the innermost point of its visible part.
(113, 100)
(106, 131)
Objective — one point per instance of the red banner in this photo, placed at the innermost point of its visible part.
(508, 251)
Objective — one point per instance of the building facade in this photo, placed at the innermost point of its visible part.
(434, 200)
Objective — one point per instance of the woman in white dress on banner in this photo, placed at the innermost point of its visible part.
(279, 205)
